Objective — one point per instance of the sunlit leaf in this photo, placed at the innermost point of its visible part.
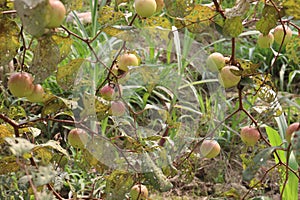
(66, 74)
(94, 105)
(199, 18)
(268, 20)
(42, 154)
(118, 183)
(16, 112)
(9, 164)
(258, 161)
(233, 27)
(64, 44)
(56, 146)
(248, 67)
(9, 39)
(292, 8)
(53, 106)
(179, 8)
(158, 21)
(5, 131)
(46, 57)
(43, 175)
(293, 50)
(108, 16)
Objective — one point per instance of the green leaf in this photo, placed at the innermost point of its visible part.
(8, 164)
(233, 27)
(46, 57)
(9, 40)
(293, 50)
(179, 8)
(56, 146)
(66, 74)
(108, 16)
(268, 20)
(292, 8)
(258, 161)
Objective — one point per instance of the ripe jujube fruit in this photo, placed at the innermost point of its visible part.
(37, 94)
(215, 62)
(126, 60)
(117, 108)
(210, 148)
(249, 135)
(107, 92)
(78, 138)
(56, 14)
(145, 8)
(20, 84)
(291, 129)
(265, 41)
(227, 78)
(139, 192)
(279, 34)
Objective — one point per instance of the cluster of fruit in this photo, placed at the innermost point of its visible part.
(278, 35)
(216, 62)
(146, 8)
(112, 91)
(21, 85)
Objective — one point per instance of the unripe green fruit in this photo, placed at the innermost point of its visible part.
(227, 78)
(145, 8)
(265, 41)
(290, 130)
(215, 62)
(126, 60)
(107, 92)
(210, 148)
(57, 13)
(78, 138)
(20, 84)
(279, 34)
(249, 135)
(117, 108)
(139, 192)
(37, 94)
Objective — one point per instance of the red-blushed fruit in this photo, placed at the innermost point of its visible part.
(291, 129)
(160, 4)
(210, 148)
(126, 60)
(139, 192)
(107, 92)
(215, 62)
(279, 34)
(265, 41)
(78, 138)
(20, 84)
(117, 108)
(37, 94)
(249, 135)
(57, 13)
(226, 78)
(145, 8)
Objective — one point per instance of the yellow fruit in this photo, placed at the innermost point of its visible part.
(265, 41)
(210, 148)
(249, 135)
(126, 60)
(145, 8)
(56, 14)
(139, 192)
(227, 78)
(279, 34)
(20, 84)
(78, 138)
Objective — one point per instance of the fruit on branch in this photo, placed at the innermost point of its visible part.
(249, 135)
(159, 5)
(215, 62)
(139, 192)
(279, 35)
(107, 92)
(126, 60)
(145, 8)
(56, 14)
(265, 41)
(78, 138)
(210, 148)
(227, 78)
(291, 129)
(20, 84)
(37, 94)
(117, 108)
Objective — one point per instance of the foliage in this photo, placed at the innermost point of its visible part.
(170, 103)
